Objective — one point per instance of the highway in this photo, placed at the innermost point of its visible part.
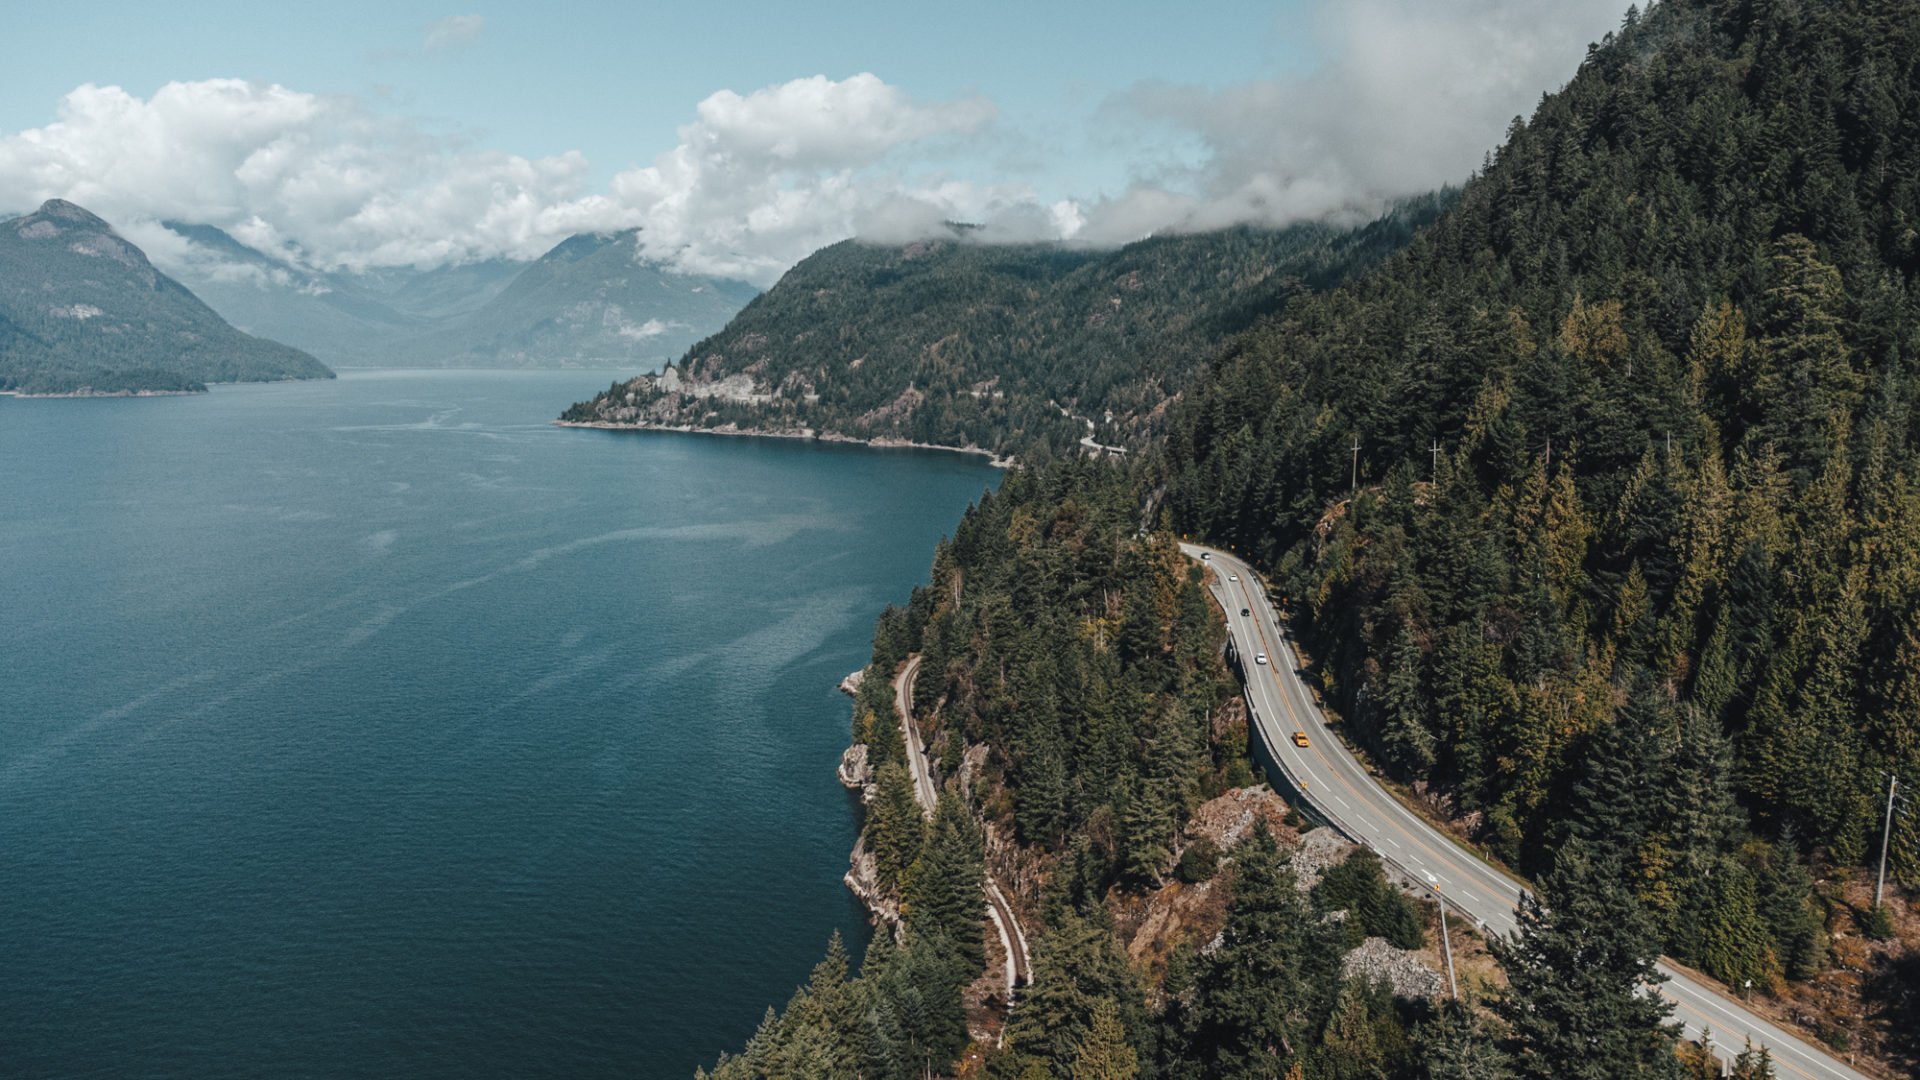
(1340, 791)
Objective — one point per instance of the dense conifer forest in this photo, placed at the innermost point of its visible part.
(957, 342)
(1628, 588)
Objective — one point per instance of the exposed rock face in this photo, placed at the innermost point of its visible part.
(1229, 819)
(864, 879)
(856, 772)
(1375, 960)
(1319, 849)
(851, 684)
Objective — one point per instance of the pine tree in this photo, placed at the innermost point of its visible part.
(895, 826)
(1786, 890)
(1105, 1054)
(1263, 994)
(1456, 1045)
(1576, 972)
(944, 890)
(1077, 967)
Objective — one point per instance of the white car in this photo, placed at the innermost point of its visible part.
(1233, 577)
(1206, 556)
(1260, 658)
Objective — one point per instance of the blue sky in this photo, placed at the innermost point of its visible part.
(1101, 122)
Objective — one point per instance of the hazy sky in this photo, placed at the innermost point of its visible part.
(742, 136)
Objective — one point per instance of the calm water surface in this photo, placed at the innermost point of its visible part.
(376, 728)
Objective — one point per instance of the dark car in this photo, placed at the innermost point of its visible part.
(1244, 611)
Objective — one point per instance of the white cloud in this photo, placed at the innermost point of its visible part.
(755, 183)
(1410, 95)
(454, 31)
(759, 181)
(279, 168)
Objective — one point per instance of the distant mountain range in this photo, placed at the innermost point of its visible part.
(591, 301)
(82, 311)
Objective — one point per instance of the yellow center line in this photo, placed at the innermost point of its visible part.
(1285, 699)
(1706, 1026)
(1299, 726)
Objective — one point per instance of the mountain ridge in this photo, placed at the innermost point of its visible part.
(83, 311)
(592, 299)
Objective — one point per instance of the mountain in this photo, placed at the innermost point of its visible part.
(82, 310)
(593, 299)
(1633, 560)
(1006, 347)
(348, 319)
(1596, 511)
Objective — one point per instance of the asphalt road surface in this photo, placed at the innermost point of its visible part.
(1341, 792)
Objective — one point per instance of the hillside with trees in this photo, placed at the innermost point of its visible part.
(1636, 428)
(82, 310)
(1011, 348)
(1628, 588)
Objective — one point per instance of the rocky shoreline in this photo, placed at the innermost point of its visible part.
(877, 443)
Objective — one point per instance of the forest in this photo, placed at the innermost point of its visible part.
(1595, 510)
(1011, 348)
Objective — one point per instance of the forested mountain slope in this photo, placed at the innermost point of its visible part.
(960, 343)
(1630, 587)
(82, 309)
(1637, 453)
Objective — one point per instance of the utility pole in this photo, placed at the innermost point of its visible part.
(1436, 459)
(1356, 465)
(1446, 940)
(1893, 784)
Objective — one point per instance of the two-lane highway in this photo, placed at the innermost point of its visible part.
(1340, 791)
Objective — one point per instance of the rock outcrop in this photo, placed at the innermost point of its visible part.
(856, 772)
(1377, 961)
(863, 877)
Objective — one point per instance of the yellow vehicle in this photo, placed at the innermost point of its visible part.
(1299, 738)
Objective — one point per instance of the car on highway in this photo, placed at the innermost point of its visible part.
(1299, 738)
(1206, 556)
(1244, 611)
(1233, 577)
(1260, 658)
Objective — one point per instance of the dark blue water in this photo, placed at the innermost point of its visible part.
(376, 728)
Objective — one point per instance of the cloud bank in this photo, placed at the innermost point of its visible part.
(1412, 94)
(1408, 96)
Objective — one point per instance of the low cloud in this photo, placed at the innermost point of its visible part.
(1408, 96)
(757, 182)
(454, 31)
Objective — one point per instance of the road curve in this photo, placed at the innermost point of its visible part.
(1341, 791)
(923, 787)
(1019, 962)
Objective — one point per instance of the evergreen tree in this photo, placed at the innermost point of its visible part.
(1456, 1045)
(1264, 993)
(895, 826)
(1106, 1054)
(1577, 971)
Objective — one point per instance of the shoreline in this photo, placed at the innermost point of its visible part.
(881, 442)
(86, 393)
